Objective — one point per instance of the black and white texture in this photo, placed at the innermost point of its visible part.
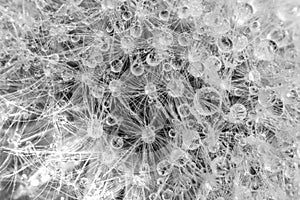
(149, 99)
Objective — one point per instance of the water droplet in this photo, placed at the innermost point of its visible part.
(265, 50)
(117, 142)
(167, 67)
(165, 38)
(153, 58)
(184, 39)
(225, 44)
(213, 63)
(175, 88)
(127, 15)
(136, 31)
(207, 101)
(183, 12)
(164, 168)
(137, 69)
(243, 13)
(116, 66)
(172, 133)
(164, 15)
(240, 43)
(167, 194)
(184, 110)
(238, 112)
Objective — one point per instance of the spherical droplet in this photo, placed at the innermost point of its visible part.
(213, 19)
(155, 196)
(127, 43)
(255, 26)
(116, 142)
(253, 90)
(136, 31)
(103, 43)
(254, 76)
(183, 12)
(160, 181)
(127, 15)
(207, 101)
(243, 13)
(197, 69)
(238, 92)
(137, 69)
(98, 58)
(277, 34)
(97, 92)
(172, 133)
(175, 88)
(184, 39)
(213, 63)
(111, 120)
(109, 27)
(288, 10)
(240, 43)
(184, 110)
(115, 85)
(153, 59)
(225, 44)
(75, 38)
(167, 194)
(163, 168)
(116, 66)
(265, 50)
(238, 112)
(190, 139)
(164, 15)
(90, 63)
(167, 67)
(165, 38)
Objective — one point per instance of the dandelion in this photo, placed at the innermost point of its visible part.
(148, 99)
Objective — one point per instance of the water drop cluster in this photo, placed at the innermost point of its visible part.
(150, 99)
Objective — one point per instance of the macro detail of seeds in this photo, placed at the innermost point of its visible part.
(149, 99)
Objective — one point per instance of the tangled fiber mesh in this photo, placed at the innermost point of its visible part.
(149, 99)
